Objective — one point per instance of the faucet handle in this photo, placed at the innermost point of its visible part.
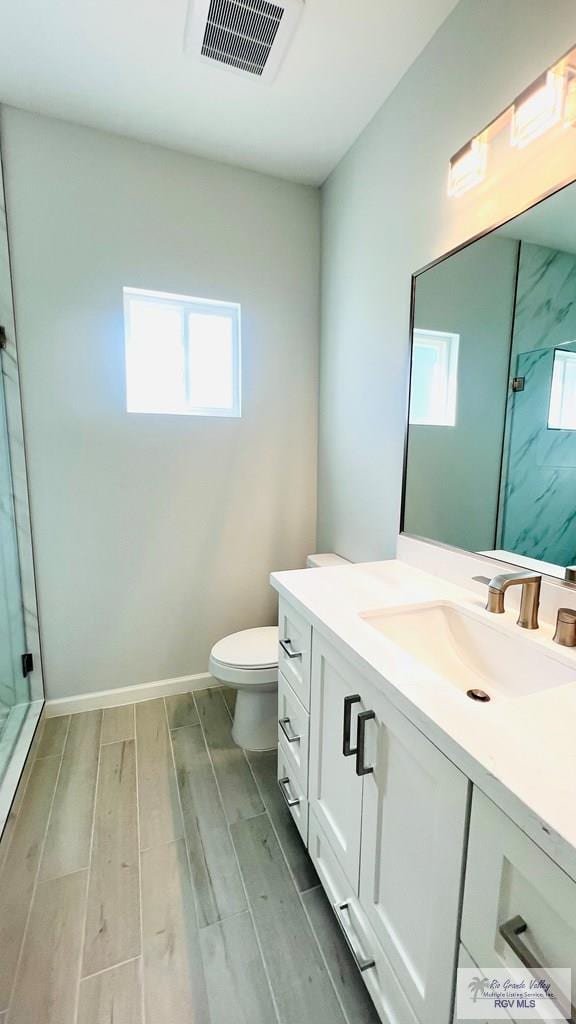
(565, 634)
(506, 579)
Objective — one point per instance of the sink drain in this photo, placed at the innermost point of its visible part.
(480, 695)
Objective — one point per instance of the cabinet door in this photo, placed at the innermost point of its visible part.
(335, 791)
(509, 879)
(413, 834)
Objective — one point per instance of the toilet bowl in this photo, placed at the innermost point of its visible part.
(248, 662)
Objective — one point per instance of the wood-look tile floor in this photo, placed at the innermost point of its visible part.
(154, 876)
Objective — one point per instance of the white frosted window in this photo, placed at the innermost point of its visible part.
(182, 354)
(434, 380)
(562, 409)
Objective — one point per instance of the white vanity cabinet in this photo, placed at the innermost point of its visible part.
(392, 810)
(420, 867)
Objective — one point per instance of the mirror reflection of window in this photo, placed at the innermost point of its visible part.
(434, 379)
(562, 409)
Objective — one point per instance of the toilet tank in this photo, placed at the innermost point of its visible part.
(322, 561)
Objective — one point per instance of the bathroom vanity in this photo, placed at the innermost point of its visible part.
(438, 825)
(427, 726)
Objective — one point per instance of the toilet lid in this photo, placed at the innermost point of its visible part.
(252, 648)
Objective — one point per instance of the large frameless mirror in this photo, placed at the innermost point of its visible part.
(491, 445)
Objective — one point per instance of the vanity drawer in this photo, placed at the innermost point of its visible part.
(293, 729)
(507, 877)
(381, 982)
(292, 790)
(295, 634)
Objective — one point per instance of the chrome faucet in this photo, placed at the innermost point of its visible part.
(530, 583)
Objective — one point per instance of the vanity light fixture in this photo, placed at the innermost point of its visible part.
(570, 101)
(468, 166)
(549, 101)
(538, 108)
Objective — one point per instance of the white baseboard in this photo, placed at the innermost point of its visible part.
(127, 694)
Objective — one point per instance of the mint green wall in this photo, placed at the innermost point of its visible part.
(386, 214)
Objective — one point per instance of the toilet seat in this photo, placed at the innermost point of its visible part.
(248, 660)
(249, 649)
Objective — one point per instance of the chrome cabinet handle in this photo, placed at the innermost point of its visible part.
(347, 750)
(284, 644)
(363, 963)
(363, 717)
(283, 723)
(511, 931)
(291, 801)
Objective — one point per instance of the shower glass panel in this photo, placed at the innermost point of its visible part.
(21, 685)
(14, 686)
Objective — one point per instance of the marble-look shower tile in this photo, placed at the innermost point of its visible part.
(545, 314)
(538, 516)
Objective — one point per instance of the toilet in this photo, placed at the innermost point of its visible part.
(248, 662)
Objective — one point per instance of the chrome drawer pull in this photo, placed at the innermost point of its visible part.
(511, 931)
(291, 801)
(285, 645)
(347, 750)
(284, 723)
(362, 962)
(363, 717)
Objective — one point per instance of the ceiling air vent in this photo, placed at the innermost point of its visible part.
(246, 36)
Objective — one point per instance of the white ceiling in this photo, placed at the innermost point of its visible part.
(120, 65)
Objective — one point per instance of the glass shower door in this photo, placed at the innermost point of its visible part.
(14, 687)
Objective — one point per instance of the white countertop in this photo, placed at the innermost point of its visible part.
(520, 751)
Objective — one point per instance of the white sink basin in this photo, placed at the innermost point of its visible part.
(470, 652)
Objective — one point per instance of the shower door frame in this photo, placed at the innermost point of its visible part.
(10, 384)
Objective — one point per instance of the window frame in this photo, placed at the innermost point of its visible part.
(564, 356)
(452, 345)
(187, 304)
